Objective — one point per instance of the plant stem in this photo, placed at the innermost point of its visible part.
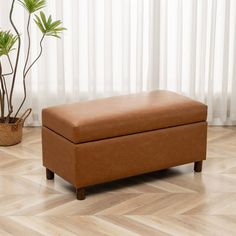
(2, 95)
(16, 63)
(6, 91)
(26, 72)
(1, 106)
(40, 53)
(29, 44)
(9, 60)
(4, 82)
(25, 66)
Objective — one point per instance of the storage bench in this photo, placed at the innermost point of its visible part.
(98, 141)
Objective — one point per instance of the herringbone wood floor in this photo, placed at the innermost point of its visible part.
(172, 202)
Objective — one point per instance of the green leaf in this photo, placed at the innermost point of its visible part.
(43, 18)
(7, 42)
(55, 24)
(40, 24)
(50, 19)
(47, 26)
(33, 5)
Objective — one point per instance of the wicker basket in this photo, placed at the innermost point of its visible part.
(11, 134)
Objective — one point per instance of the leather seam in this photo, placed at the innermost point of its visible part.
(168, 127)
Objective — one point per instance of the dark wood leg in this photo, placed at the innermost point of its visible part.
(80, 193)
(49, 174)
(198, 166)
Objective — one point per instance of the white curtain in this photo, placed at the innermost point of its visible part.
(114, 47)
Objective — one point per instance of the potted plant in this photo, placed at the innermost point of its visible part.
(10, 123)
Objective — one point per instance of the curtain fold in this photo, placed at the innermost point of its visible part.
(108, 45)
(154, 45)
(163, 45)
(92, 83)
(192, 74)
(73, 67)
(233, 83)
(139, 47)
(125, 45)
(179, 53)
(225, 70)
(114, 47)
(210, 91)
(60, 54)
(202, 52)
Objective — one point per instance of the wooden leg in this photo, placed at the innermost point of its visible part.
(198, 166)
(49, 174)
(80, 193)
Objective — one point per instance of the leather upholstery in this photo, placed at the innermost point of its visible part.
(110, 159)
(122, 115)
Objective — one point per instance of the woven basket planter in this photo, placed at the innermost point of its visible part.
(11, 133)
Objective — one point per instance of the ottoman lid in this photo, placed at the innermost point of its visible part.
(122, 115)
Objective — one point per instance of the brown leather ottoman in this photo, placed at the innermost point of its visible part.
(98, 141)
